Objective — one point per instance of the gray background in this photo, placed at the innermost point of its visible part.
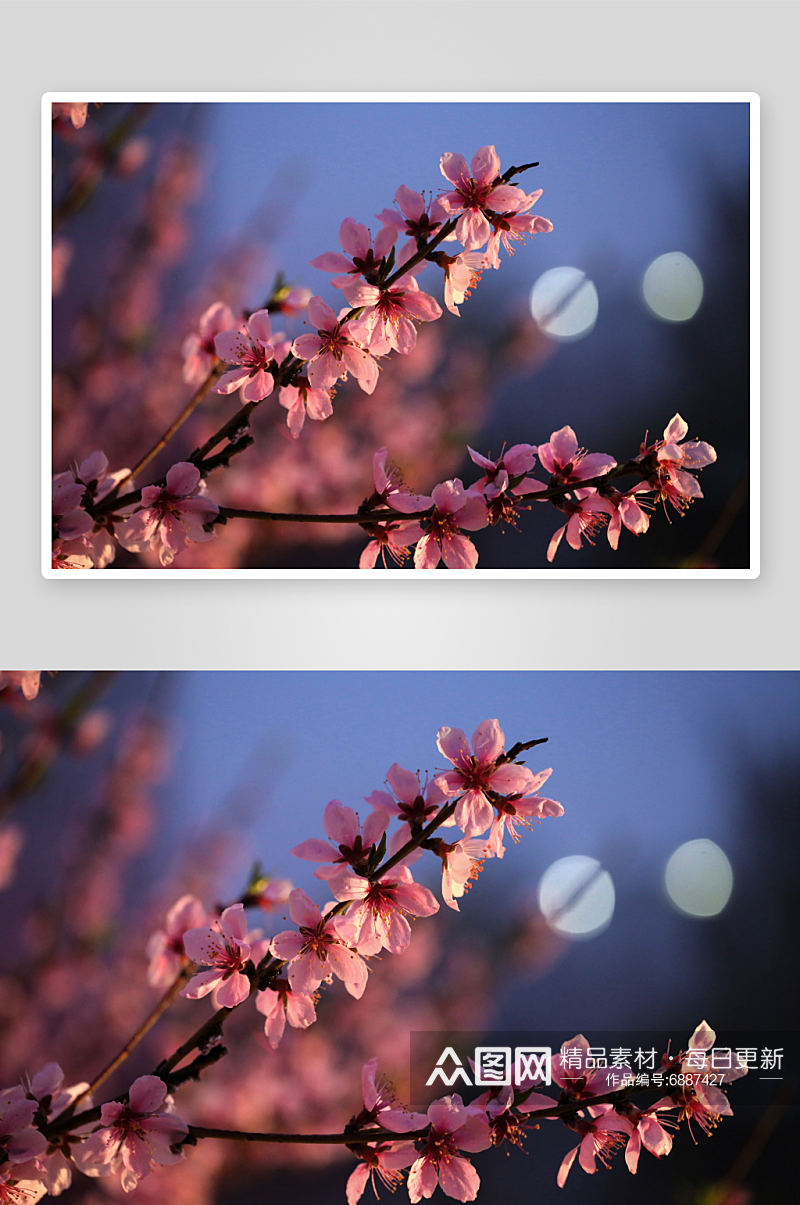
(435, 623)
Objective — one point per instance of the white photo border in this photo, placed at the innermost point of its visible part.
(750, 98)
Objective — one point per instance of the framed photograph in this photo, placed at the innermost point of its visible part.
(349, 334)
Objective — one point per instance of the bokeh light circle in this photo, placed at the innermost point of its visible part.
(673, 287)
(576, 897)
(699, 878)
(564, 303)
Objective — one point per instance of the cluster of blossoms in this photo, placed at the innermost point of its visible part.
(49, 1131)
(95, 512)
(482, 210)
(441, 520)
(593, 1103)
(178, 512)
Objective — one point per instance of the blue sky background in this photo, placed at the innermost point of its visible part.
(640, 758)
(617, 176)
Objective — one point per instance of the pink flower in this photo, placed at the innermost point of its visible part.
(79, 545)
(418, 220)
(352, 847)
(574, 1071)
(165, 947)
(587, 514)
(453, 1128)
(253, 351)
(645, 1131)
(335, 350)
(513, 227)
(82, 543)
(19, 1139)
(599, 1139)
(93, 475)
(704, 1102)
(199, 351)
(384, 1161)
(171, 516)
(477, 191)
(26, 680)
(408, 801)
(507, 1123)
(389, 313)
(53, 1167)
(461, 275)
(461, 865)
(138, 1135)
(300, 399)
(566, 462)
(280, 1004)
(512, 464)
(380, 1105)
(455, 508)
(364, 259)
(625, 509)
(75, 111)
(393, 538)
(477, 772)
(390, 488)
(505, 480)
(70, 520)
(319, 949)
(86, 552)
(47, 1089)
(524, 810)
(20, 1192)
(378, 907)
(672, 459)
(226, 951)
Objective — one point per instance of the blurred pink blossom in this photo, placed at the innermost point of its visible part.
(165, 949)
(199, 351)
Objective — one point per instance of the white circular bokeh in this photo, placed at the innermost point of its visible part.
(564, 303)
(576, 896)
(673, 287)
(699, 878)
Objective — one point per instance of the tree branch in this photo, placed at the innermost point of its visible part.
(145, 1027)
(629, 469)
(189, 408)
